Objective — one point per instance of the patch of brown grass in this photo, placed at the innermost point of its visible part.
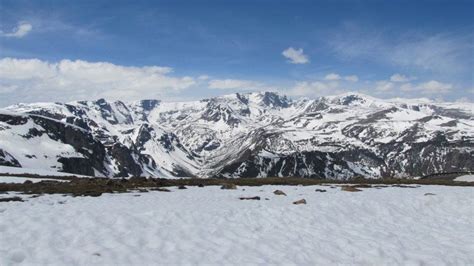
(97, 186)
(350, 189)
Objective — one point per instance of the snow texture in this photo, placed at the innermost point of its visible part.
(465, 178)
(203, 226)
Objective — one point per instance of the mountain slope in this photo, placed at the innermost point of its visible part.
(241, 135)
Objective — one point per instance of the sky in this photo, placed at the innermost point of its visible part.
(187, 50)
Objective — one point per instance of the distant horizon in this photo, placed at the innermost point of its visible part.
(419, 100)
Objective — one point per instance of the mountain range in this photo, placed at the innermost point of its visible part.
(241, 135)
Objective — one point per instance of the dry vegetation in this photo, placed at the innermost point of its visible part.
(96, 186)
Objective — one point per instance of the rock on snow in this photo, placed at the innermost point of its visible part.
(386, 226)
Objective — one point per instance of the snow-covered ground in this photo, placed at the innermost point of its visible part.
(465, 178)
(387, 226)
(18, 179)
(33, 171)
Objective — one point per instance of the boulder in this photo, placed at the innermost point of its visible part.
(250, 198)
(229, 186)
(279, 192)
(160, 189)
(301, 201)
(11, 199)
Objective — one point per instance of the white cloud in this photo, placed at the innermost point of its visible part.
(25, 80)
(334, 84)
(465, 100)
(19, 31)
(400, 78)
(407, 87)
(203, 77)
(7, 88)
(234, 84)
(434, 87)
(384, 86)
(295, 56)
(335, 76)
(316, 88)
(352, 78)
(332, 76)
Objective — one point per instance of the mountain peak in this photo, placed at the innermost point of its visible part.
(149, 104)
(266, 98)
(352, 98)
(270, 98)
(239, 135)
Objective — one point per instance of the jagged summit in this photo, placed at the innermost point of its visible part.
(268, 98)
(241, 135)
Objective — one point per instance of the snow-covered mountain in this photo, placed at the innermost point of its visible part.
(241, 135)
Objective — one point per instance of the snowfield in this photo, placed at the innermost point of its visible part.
(465, 178)
(386, 226)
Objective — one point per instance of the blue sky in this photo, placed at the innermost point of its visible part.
(48, 49)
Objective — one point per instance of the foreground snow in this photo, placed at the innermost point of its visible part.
(212, 226)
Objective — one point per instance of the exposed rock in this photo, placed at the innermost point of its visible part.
(250, 198)
(350, 189)
(149, 105)
(13, 120)
(274, 100)
(182, 187)
(279, 192)
(404, 186)
(229, 186)
(160, 189)
(7, 159)
(11, 199)
(77, 165)
(320, 190)
(125, 161)
(124, 143)
(429, 194)
(301, 201)
(90, 194)
(362, 186)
